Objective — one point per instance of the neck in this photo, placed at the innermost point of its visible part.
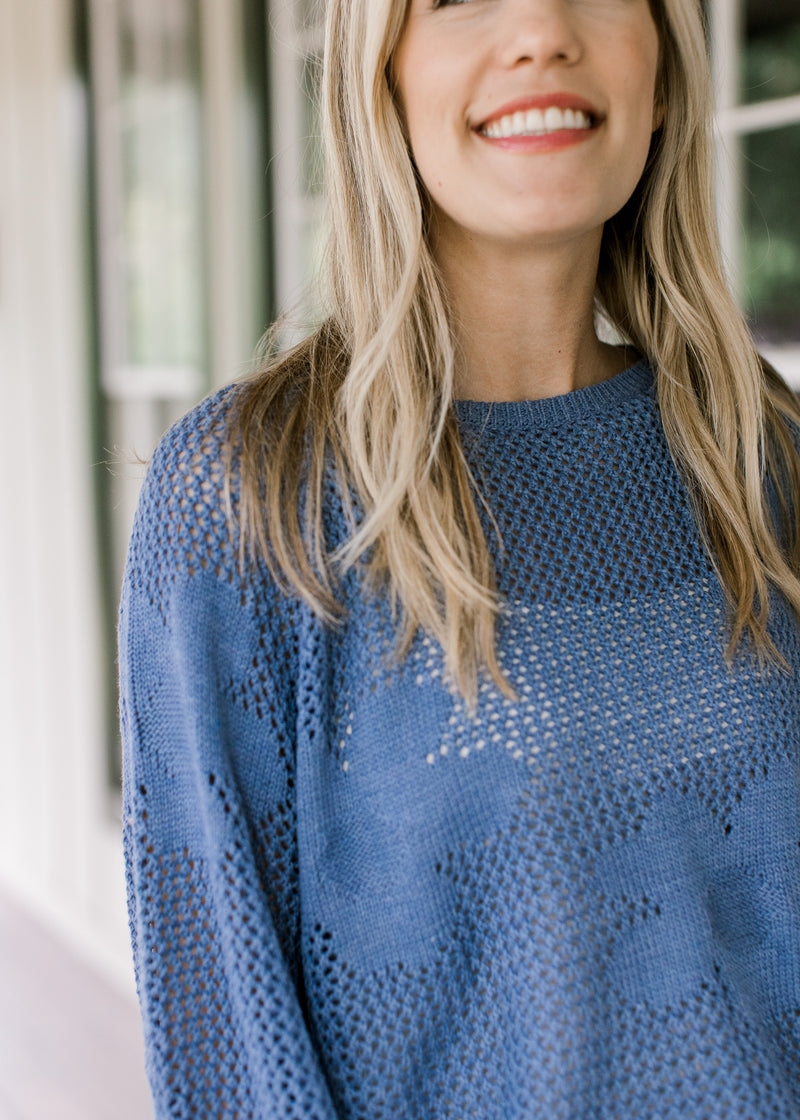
(523, 320)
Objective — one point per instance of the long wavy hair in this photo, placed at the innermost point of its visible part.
(371, 388)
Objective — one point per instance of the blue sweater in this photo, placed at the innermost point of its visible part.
(350, 897)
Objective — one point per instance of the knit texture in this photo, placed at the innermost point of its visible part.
(352, 898)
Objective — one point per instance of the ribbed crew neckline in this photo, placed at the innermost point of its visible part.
(551, 411)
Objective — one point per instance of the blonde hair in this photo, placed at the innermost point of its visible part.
(373, 385)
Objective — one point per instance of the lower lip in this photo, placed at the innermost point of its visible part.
(549, 142)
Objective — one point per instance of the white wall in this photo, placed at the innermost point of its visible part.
(60, 845)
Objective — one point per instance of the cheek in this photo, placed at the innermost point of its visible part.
(430, 133)
(412, 99)
(650, 68)
(639, 77)
(435, 79)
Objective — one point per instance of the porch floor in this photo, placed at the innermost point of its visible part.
(70, 1043)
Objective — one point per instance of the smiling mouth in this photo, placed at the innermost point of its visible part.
(538, 122)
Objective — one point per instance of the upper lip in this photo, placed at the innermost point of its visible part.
(543, 101)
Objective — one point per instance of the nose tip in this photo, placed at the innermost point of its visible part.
(539, 32)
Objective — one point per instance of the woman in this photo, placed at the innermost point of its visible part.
(459, 648)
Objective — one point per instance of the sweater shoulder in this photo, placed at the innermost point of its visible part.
(186, 520)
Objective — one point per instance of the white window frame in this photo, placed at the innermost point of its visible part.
(146, 398)
(734, 121)
(225, 240)
(297, 35)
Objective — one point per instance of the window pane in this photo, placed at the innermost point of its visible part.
(772, 233)
(162, 184)
(771, 56)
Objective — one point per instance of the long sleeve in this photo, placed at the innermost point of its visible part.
(208, 807)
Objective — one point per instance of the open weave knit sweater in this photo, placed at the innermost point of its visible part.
(350, 897)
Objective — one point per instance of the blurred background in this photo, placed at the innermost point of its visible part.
(159, 204)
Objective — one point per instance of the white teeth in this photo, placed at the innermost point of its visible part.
(536, 122)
